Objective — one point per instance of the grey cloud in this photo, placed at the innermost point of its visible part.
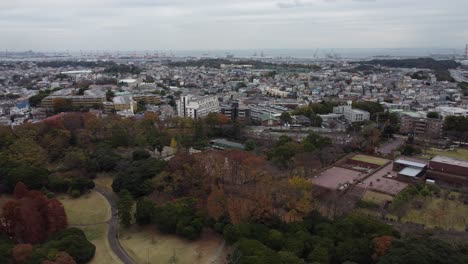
(215, 24)
(290, 4)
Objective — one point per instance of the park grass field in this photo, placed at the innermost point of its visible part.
(370, 159)
(89, 213)
(147, 243)
(461, 153)
(376, 197)
(436, 212)
(90, 208)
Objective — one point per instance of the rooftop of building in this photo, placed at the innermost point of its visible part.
(227, 144)
(410, 163)
(410, 172)
(451, 161)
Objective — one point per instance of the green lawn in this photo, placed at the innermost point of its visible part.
(461, 153)
(370, 159)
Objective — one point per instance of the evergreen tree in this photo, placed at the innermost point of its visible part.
(124, 207)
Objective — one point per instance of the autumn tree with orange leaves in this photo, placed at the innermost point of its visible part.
(381, 246)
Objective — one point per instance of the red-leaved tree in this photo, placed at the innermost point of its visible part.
(20, 190)
(56, 216)
(21, 252)
(62, 258)
(32, 218)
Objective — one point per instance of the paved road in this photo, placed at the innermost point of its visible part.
(113, 227)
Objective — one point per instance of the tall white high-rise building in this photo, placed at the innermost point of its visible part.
(197, 106)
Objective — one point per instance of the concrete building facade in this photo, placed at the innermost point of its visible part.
(422, 127)
(197, 107)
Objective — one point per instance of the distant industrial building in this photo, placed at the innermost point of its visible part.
(197, 107)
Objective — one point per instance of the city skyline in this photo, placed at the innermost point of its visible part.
(216, 25)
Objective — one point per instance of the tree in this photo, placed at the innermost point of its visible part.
(319, 255)
(356, 250)
(72, 241)
(140, 154)
(144, 211)
(124, 207)
(250, 145)
(434, 115)
(109, 95)
(372, 107)
(62, 105)
(423, 250)
(314, 141)
(32, 177)
(27, 151)
(56, 216)
(21, 252)
(75, 159)
(136, 178)
(286, 118)
(105, 158)
(6, 248)
(179, 217)
(381, 246)
(32, 218)
(21, 190)
(61, 258)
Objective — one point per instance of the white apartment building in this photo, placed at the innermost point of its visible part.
(197, 107)
(445, 111)
(350, 114)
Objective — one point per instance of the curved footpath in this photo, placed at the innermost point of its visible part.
(113, 227)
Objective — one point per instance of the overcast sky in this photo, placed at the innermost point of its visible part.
(231, 24)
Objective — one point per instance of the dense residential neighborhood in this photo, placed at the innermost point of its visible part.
(232, 160)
